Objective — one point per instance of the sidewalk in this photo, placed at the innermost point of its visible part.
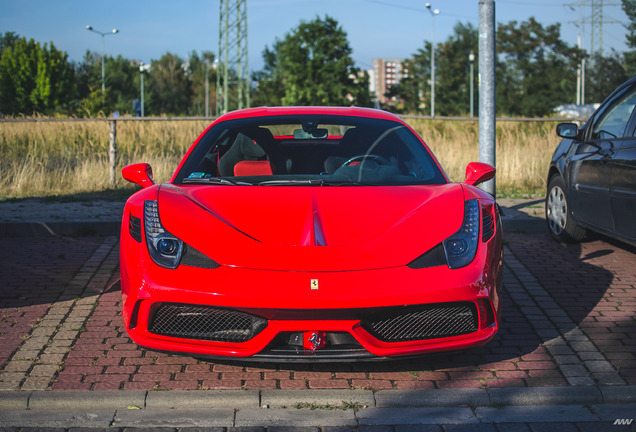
(331, 410)
(564, 359)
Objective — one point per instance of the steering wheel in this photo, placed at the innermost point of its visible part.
(362, 158)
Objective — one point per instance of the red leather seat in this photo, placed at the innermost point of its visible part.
(252, 168)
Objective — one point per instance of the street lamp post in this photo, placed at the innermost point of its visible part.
(114, 31)
(433, 13)
(471, 60)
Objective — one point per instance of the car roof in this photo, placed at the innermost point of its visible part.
(309, 110)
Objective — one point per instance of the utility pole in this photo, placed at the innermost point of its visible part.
(232, 77)
(487, 108)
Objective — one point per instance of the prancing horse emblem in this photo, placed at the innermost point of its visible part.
(316, 341)
(314, 284)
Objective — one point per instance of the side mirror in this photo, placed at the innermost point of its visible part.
(477, 172)
(140, 174)
(567, 130)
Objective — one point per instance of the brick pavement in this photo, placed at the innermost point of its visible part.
(595, 284)
(567, 320)
(34, 275)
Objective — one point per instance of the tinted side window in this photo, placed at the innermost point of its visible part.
(613, 119)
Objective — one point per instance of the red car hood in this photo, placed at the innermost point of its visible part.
(298, 228)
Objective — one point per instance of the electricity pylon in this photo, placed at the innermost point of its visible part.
(596, 19)
(232, 75)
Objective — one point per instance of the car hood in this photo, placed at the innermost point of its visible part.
(299, 228)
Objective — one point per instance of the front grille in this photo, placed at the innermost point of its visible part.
(424, 322)
(205, 323)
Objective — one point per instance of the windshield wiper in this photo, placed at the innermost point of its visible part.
(309, 182)
(216, 181)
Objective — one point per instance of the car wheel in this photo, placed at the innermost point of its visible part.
(557, 215)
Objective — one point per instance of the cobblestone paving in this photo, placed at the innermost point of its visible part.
(33, 275)
(567, 320)
(594, 283)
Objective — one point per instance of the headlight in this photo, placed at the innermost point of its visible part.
(461, 247)
(457, 250)
(164, 248)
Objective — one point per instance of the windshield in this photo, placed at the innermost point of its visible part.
(310, 150)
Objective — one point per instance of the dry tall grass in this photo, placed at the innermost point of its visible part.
(523, 151)
(64, 158)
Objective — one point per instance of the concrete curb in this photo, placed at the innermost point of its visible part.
(281, 399)
(313, 410)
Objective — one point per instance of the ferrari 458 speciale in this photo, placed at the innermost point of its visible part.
(309, 234)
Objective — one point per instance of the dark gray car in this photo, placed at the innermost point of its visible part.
(592, 175)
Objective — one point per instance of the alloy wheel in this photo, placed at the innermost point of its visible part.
(557, 210)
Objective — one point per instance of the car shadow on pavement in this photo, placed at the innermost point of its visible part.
(36, 274)
(565, 289)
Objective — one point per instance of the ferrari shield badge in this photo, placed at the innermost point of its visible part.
(314, 284)
(314, 340)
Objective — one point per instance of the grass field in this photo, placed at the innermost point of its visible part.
(48, 159)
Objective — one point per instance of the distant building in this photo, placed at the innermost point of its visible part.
(387, 73)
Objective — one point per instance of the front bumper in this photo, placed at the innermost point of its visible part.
(343, 306)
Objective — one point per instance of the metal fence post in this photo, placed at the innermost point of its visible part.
(487, 109)
(112, 153)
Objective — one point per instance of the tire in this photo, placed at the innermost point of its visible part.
(558, 219)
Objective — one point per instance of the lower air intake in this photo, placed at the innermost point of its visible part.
(205, 323)
(424, 322)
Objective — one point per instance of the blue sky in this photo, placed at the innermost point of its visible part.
(375, 28)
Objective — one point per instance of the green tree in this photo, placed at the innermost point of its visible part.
(34, 78)
(629, 7)
(122, 83)
(7, 40)
(452, 75)
(536, 70)
(603, 75)
(413, 91)
(269, 88)
(452, 91)
(312, 65)
(168, 86)
(88, 81)
(197, 71)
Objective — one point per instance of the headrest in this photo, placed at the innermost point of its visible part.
(248, 147)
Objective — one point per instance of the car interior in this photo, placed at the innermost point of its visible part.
(301, 152)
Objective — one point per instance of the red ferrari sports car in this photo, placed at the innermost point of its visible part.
(308, 234)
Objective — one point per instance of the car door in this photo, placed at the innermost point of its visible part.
(623, 185)
(590, 172)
